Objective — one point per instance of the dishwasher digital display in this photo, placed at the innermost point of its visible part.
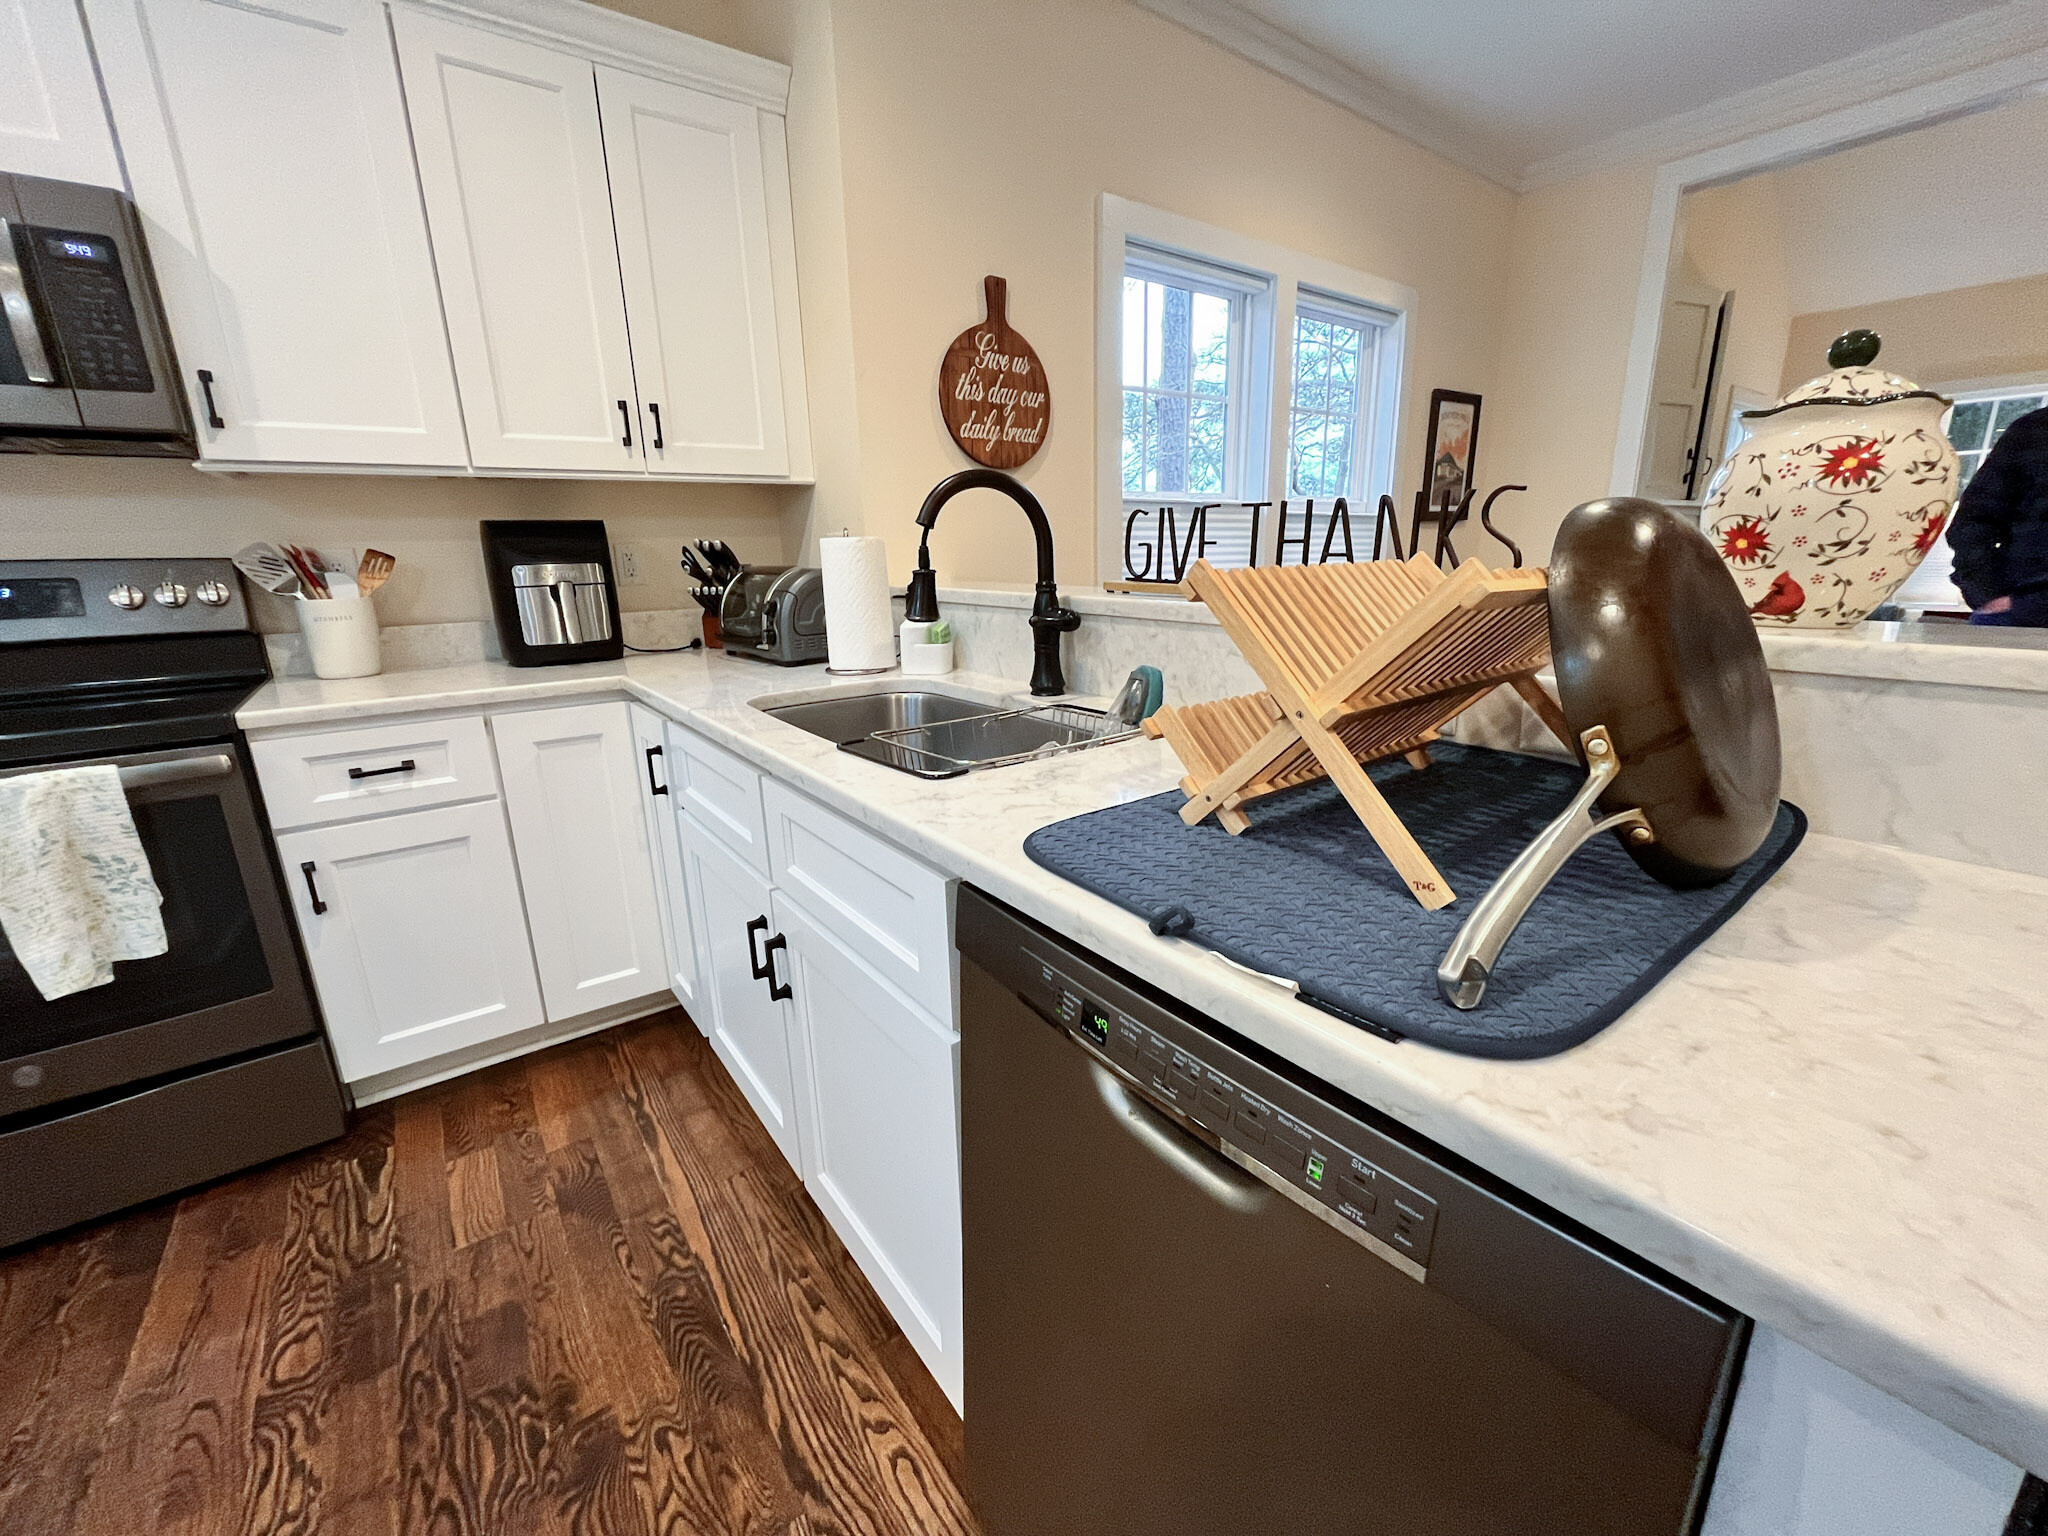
(1095, 1024)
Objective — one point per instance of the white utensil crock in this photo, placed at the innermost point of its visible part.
(341, 636)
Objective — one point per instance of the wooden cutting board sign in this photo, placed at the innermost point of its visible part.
(992, 389)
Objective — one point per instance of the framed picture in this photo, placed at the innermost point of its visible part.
(1453, 445)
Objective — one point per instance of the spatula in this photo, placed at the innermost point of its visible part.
(266, 565)
(374, 571)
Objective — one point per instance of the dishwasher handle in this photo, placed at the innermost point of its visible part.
(1189, 1156)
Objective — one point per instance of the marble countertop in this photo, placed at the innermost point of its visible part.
(1830, 1116)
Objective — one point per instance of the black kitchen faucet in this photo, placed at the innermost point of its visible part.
(1048, 619)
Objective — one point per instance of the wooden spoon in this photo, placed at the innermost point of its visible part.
(374, 571)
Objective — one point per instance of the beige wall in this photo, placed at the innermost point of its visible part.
(1993, 331)
(1735, 238)
(1577, 256)
(977, 139)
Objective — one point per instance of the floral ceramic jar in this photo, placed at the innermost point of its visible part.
(1836, 494)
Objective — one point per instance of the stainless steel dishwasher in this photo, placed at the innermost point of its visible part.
(1204, 1296)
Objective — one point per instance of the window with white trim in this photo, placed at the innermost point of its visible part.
(1976, 423)
(1243, 384)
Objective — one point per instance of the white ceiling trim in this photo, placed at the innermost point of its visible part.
(1254, 38)
(1934, 54)
(1968, 42)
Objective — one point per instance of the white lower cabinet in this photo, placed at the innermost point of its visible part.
(414, 932)
(880, 1133)
(751, 1026)
(572, 795)
(671, 887)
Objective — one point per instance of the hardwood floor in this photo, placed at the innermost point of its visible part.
(580, 1293)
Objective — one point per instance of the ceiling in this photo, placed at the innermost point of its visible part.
(1531, 91)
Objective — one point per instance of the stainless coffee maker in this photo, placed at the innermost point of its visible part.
(552, 591)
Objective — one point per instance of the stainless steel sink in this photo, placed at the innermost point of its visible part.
(939, 735)
(849, 719)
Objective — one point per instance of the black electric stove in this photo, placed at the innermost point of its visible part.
(208, 1058)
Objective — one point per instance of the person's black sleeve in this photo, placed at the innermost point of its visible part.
(1984, 522)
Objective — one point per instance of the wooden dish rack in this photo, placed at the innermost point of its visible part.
(1361, 662)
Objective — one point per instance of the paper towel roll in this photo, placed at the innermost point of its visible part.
(860, 629)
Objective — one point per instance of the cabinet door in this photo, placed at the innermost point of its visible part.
(269, 154)
(880, 1131)
(512, 164)
(52, 122)
(671, 890)
(750, 1028)
(690, 201)
(414, 932)
(572, 794)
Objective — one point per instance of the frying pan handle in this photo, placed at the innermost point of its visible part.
(1468, 964)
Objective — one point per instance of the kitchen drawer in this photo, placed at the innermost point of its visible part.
(722, 793)
(394, 765)
(891, 911)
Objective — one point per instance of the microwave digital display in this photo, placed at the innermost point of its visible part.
(72, 248)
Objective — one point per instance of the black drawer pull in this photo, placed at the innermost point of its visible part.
(212, 411)
(754, 960)
(652, 787)
(655, 407)
(778, 991)
(626, 420)
(377, 773)
(312, 890)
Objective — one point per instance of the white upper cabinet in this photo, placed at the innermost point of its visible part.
(269, 155)
(51, 120)
(512, 163)
(690, 200)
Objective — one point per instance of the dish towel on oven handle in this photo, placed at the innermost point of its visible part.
(76, 892)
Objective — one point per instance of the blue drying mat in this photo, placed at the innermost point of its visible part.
(1306, 894)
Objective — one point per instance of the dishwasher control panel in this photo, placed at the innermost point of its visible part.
(1308, 1160)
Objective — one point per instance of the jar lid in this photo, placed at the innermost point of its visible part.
(1853, 380)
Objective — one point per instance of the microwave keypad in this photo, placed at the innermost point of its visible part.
(87, 298)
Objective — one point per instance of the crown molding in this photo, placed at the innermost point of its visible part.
(1937, 53)
(627, 43)
(1250, 37)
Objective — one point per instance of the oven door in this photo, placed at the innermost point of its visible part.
(229, 983)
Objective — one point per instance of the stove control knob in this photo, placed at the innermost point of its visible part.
(170, 594)
(125, 596)
(214, 594)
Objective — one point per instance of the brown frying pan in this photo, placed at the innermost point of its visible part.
(1662, 679)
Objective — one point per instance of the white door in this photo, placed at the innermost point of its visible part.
(572, 794)
(671, 889)
(881, 1134)
(751, 1026)
(691, 205)
(1688, 351)
(414, 932)
(52, 121)
(268, 151)
(512, 164)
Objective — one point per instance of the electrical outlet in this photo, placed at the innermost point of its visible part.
(627, 563)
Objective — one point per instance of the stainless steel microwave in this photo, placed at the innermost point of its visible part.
(85, 357)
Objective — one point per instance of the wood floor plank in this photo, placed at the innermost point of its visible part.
(580, 1294)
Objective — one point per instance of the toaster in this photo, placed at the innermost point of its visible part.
(775, 613)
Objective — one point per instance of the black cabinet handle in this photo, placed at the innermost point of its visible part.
(626, 420)
(760, 966)
(312, 890)
(655, 407)
(778, 991)
(652, 787)
(377, 773)
(212, 411)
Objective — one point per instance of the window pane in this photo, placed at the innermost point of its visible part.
(1968, 423)
(1329, 359)
(1205, 449)
(2010, 411)
(1134, 332)
(1166, 431)
(1969, 461)
(1210, 321)
(1134, 442)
